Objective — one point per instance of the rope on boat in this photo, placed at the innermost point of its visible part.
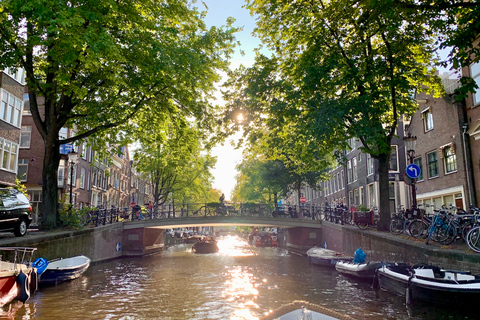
(298, 304)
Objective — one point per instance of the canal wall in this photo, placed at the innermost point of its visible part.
(383, 246)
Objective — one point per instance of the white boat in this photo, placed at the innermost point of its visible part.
(432, 284)
(303, 310)
(359, 270)
(326, 257)
(60, 270)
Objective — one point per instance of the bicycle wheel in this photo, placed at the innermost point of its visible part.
(473, 239)
(396, 226)
(449, 234)
(418, 229)
(466, 227)
(362, 224)
(347, 216)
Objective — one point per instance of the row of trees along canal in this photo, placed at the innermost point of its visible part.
(144, 71)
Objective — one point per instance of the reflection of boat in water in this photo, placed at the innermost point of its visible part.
(326, 257)
(432, 284)
(205, 246)
(60, 270)
(303, 310)
(18, 279)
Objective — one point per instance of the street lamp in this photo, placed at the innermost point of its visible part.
(72, 158)
(410, 143)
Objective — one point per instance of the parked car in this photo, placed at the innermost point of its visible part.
(15, 211)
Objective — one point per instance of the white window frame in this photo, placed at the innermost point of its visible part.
(427, 117)
(475, 75)
(23, 163)
(25, 133)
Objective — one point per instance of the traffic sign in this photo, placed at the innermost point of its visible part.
(413, 171)
(303, 200)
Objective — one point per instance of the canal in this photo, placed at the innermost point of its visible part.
(239, 282)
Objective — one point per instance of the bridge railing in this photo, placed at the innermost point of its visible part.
(104, 216)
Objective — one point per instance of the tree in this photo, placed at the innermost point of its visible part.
(345, 69)
(98, 63)
(261, 180)
(175, 160)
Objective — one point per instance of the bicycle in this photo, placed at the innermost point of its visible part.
(402, 219)
(438, 230)
(368, 219)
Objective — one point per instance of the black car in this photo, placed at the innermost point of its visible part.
(15, 211)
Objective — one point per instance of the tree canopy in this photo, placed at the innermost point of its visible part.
(339, 70)
(98, 64)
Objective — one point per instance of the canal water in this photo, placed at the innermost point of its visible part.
(239, 282)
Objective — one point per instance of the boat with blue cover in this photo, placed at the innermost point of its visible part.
(60, 270)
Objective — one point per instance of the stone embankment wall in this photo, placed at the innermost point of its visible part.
(101, 243)
(383, 246)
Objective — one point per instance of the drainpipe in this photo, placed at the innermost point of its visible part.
(467, 171)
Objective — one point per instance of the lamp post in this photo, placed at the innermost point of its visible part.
(410, 142)
(72, 158)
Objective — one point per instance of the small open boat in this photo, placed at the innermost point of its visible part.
(205, 246)
(18, 279)
(432, 284)
(326, 257)
(359, 270)
(60, 270)
(303, 310)
(267, 240)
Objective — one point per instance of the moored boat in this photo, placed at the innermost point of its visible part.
(303, 310)
(60, 270)
(205, 246)
(18, 279)
(432, 284)
(326, 257)
(359, 270)
(267, 240)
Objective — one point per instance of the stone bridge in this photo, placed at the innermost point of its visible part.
(142, 237)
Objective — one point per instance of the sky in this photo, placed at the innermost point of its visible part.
(218, 11)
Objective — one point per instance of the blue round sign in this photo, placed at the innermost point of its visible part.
(413, 171)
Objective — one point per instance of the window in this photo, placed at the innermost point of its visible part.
(343, 179)
(355, 196)
(354, 169)
(82, 178)
(418, 162)
(22, 170)
(10, 108)
(349, 171)
(449, 159)
(26, 108)
(369, 164)
(427, 119)
(393, 164)
(361, 195)
(371, 195)
(339, 181)
(25, 137)
(432, 163)
(475, 75)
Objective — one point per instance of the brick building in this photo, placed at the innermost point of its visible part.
(472, 103)
(440, 152)
(12, 95)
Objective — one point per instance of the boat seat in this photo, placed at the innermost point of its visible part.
(459, 276)
(428, 273)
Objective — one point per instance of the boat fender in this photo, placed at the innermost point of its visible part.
(33, 281)
(23, 287)
(41, 264)
(274, 238)
(375, 284)
(408, 292)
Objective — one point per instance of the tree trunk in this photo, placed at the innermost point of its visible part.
(384, 192)
(49, 205)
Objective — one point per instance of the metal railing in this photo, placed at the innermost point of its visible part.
(103, 216)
